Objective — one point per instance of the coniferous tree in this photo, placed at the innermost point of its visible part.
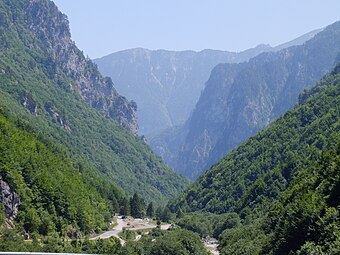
(115, 205)
(137, 206)
(125, 207)
(179, 213)
(166, 214)
(150, 212)
(159, 211)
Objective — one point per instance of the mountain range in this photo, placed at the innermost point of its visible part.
(278, 192)
(241, 99)
(265, 127)
(166, 85)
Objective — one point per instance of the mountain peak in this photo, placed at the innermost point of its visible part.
(51, 27)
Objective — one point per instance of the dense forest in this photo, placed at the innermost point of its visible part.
(56, 197)
(291, 206)
(38, 84)
(69, 156)
(56, 193)
(278, 191)
(70, 159)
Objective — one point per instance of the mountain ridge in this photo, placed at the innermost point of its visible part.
(54, 35)
(166, 83)
(157, 62)
(282, 183)
(233, 107)
(38, 87)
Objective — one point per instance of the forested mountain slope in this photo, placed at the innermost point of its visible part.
(241, 99)
(38, 29)
(283, 182)
(47, 191)
(46, 80)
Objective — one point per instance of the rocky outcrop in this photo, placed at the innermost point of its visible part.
(166, 85)
(28, 102)
(241, 99)
(63, 57)
(10, 201)
(57, 115)
(39, 59)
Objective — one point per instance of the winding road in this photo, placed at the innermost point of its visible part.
(139, 225)
(119, 228)
(124, 223)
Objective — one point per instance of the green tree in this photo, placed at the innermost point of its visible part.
(166, 215)
(159, 211)
(2, 215)
(125, 207)
(115, 205)
(137, 206)
(150, 211)
(179, 213)
(31, 220)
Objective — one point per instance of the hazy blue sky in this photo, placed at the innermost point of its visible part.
(100, 27)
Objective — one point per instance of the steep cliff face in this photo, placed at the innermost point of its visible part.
(51, 29)
(165, 84)
(10, 201)
(283, 182)
(46, 81)
(240, 99)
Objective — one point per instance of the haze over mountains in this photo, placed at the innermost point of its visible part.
(277, 192)
(241, 99)
(166, 85)
(71, 158)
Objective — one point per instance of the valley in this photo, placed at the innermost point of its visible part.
(242, 99)
(149, 151)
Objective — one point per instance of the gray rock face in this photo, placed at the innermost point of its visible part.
(28, 102)
(57, 116)
(11, 202)
(241, 99)
(52, 28)
(165, 84)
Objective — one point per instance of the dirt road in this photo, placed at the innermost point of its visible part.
(128, 224)
(119, 228)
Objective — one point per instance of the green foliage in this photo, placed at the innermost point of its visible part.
(11, 241)
(254, 174)
(2, 216)
(37, 87)
(305, 212)
(284, 183)
(52, 191)
(166, 215)
(208, 224)
(150, 211)
(137, 206)
(248, 239)
(125, 208)
(175, 242)
(302, 221)
(196, 223)
(115, 205)
(128, 235)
